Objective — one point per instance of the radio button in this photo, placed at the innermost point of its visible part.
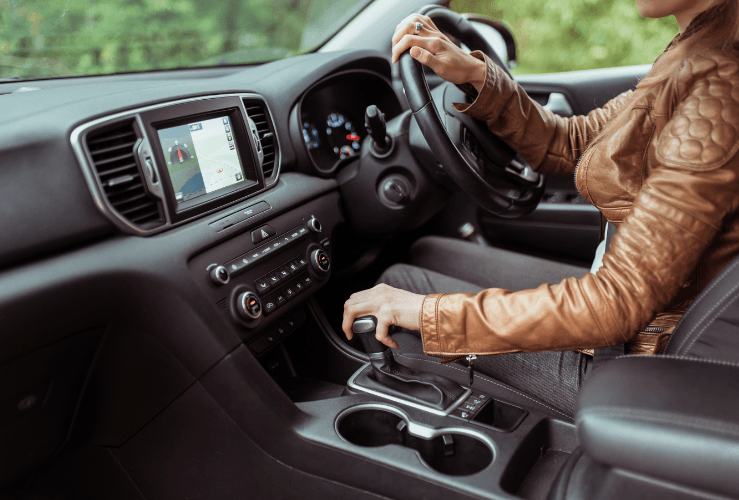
(262, 233)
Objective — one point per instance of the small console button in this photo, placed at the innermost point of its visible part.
(280, 299)
(302, 262)
(284, 272)
(461, 413)
(262, 233)
(262, 285)
(307, 281)
(293, 266)
(299, 287)
(273, 278)
(269, 306)
(290, 293)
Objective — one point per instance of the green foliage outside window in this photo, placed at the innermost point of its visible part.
(568, 35)
(42, 38)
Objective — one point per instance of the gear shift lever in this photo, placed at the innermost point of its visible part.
(365, 327)
(388, 377)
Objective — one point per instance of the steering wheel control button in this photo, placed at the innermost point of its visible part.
(219, 275)
(262, 233)
(249, 306)
(314, 224)
(320, 261)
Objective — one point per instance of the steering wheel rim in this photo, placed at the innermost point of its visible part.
(507, 190)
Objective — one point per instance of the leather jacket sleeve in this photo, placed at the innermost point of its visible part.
(550, 143)
(677, 213)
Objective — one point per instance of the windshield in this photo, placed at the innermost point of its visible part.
(43, 38)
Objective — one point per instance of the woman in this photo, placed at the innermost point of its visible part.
(659, 162)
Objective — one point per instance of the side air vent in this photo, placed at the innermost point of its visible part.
(112, 153)
(259, 114)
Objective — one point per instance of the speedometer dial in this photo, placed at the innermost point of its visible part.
(342, 137)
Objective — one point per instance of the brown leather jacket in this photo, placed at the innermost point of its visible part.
(669, 182)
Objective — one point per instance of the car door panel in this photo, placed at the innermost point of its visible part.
(564, 224)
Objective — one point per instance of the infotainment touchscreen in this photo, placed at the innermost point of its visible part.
(201, 157)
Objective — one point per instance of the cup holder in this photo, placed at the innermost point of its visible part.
(449, 452)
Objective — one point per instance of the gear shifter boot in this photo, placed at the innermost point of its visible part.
(387, 376)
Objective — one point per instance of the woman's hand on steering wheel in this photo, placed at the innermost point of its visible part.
(434, 49)
(391, 306)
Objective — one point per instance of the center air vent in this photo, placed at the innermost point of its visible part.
(112, 153)
(259, 114)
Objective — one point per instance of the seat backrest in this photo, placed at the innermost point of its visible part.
(710, 327)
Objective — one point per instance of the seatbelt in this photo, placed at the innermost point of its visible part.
(602, 355)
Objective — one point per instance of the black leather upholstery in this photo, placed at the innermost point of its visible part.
(665, 417)
(710, 327)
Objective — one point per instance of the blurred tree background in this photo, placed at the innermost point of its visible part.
(43, 38)
(569, 35)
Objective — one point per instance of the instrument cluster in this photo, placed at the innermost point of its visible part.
(332, 112)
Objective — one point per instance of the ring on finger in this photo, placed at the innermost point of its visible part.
(419, 27)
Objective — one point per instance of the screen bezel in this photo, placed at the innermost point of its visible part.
(186, 113)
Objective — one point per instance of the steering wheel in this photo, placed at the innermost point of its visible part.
(479, 162)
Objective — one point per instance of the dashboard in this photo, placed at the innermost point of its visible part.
(178, 212)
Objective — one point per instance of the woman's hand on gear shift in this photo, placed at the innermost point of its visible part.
(391, 306)
(434, 49)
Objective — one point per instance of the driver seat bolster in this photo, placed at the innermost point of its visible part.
(709, 329)
(683, 429)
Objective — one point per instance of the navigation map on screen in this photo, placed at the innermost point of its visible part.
(201, 157)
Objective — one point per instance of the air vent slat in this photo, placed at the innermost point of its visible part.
(107, 161)
(260, 116)
(116, 170)
(92, 142)
(126, 145)
(113, 158)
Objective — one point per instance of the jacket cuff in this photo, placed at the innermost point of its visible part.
(481, 105)
(429, 321)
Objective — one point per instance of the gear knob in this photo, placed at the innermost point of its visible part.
(365, 327)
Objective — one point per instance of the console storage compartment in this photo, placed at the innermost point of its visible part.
(537, 460)
(450, 451)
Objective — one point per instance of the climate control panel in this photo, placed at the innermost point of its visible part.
(260, 276)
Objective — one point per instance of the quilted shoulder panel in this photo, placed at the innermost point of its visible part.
(704, 130)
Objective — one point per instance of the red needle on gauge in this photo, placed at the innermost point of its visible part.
(352, 137)
(179, 153)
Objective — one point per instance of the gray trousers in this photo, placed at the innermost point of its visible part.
(444, 265)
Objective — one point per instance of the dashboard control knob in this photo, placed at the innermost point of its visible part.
(219, 275)
(314, 224)
(249, 306)
(320, 261)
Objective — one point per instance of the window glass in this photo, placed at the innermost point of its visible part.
(568, 35)
(48, 38)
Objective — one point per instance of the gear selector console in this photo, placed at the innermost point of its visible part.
(385, 377)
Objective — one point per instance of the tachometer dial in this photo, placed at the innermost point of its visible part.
(342, 137)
